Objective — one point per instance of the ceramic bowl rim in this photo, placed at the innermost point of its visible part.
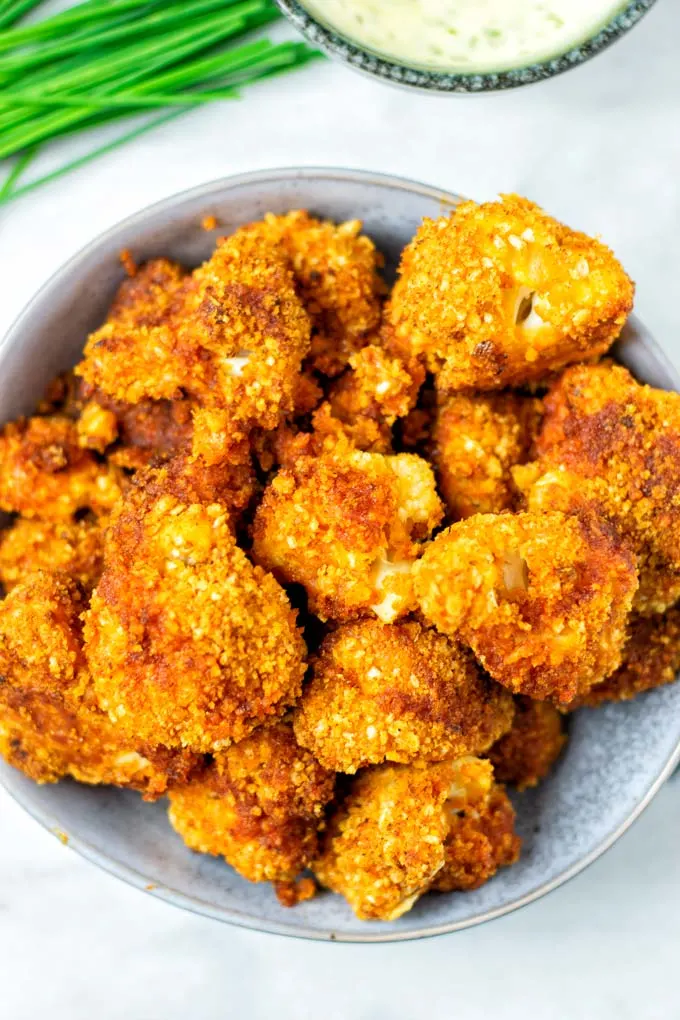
(195, 904)
(421, 79)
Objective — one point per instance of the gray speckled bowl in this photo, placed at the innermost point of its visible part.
(378, 65)
(617, 757)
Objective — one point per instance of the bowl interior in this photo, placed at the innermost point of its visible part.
(617, 756)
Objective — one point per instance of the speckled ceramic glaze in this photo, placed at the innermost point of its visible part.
(392, 70)
(618, 756)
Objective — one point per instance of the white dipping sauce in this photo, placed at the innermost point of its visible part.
(467, 35)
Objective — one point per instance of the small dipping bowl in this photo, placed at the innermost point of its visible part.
(419, 77)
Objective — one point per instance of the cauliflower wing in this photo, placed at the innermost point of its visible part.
(542, 599)
(260, 804)
(345, 524)
(397, 692)
(336, 270)
(500, 294)
(525, 755)
(188, 643)
(477, 439)
(70, 548)
(398, 831)
(50, 726)
(44, 472)
(612, 444)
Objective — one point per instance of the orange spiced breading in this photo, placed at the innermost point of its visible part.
(651, 658)
(260, 804)
(397, 692)
(336, 269)
(73, 549)
(542, 599)
(398, 832)
(187, 642)
(346, 525)
(477, 439)
(50, 725)
(525, 755)
(613, 444)
(366, 401)
(231, 336)
(500, 294)
(44, 472)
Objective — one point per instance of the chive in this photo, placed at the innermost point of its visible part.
(11, 13)
(102, 60)
(16, 172)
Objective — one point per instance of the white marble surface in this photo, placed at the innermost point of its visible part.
(599, 147)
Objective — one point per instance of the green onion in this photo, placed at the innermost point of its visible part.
(103, 60)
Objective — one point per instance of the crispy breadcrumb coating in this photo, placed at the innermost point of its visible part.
(74, 549)
(398, 831)
(50, 726)
(477, 439)
(481, 838)
(260, 804)
(336, 269)
(232, 336)
(97, 427)
(651, 658)
(613, 444)
(525, 755)
(188, 643)
(345, 524)
(149, 430)
(397, 692)
(45, 473)
(542, 599)
(365, 402)
(499, 294)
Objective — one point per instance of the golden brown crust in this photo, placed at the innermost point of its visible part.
(481, 840)
(651, 658)
(50, 726)
(189, 645)
(499, 294)
(336, 270)
(260, 804)
(525, 755)
(345, 524)
(44, 472)
(612, 444)
(542, 599)
(74, 549)
(397, 692)
(396, 833)
(477, 439)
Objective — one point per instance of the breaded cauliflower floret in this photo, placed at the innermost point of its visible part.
(499, 294)
(365, 401)
(345, 524)
(542, 599)
(187, 642)
(50, 726)
(231, 336)
(477, 439)
(481, 836)
(260, 804)
(97, 427)
(397, 692)
(70, 548)
(398, 831)
(45, 473)
(613, 444)
(651, 658)
(190, 480)
(135, 353)
(525, 755)
(337, 272)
